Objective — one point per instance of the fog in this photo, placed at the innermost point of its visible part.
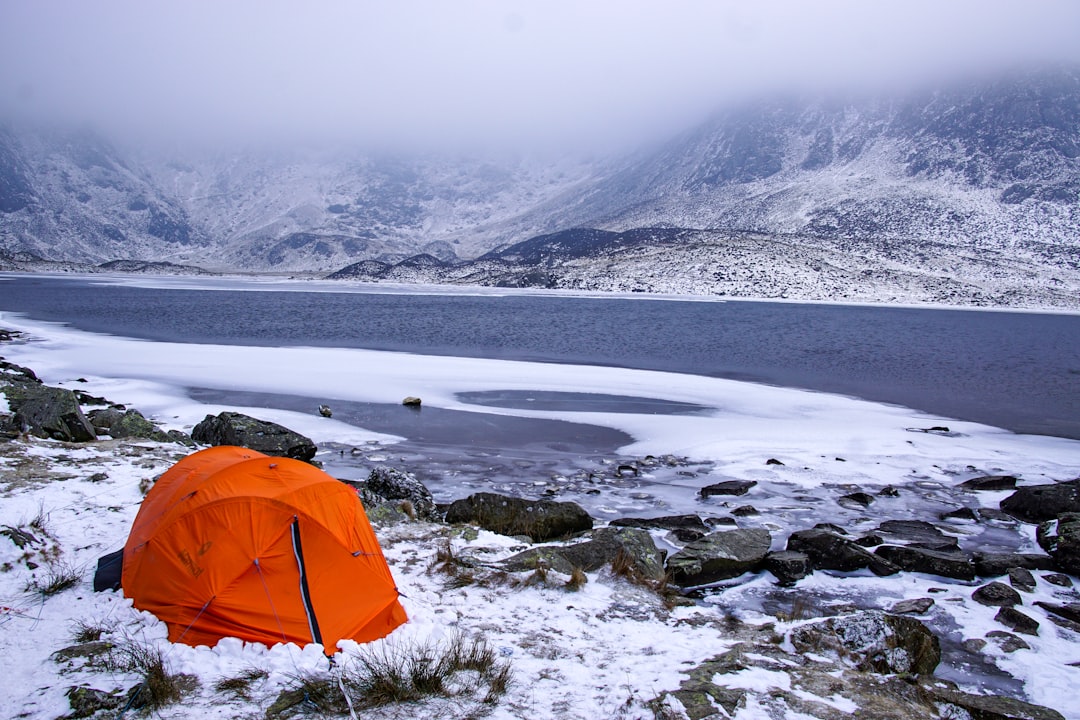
(452, 74)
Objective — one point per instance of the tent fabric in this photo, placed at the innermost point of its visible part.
(233, 543)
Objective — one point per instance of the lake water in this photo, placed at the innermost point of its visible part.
(1019, 371)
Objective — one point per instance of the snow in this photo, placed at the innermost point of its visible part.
(600, 652)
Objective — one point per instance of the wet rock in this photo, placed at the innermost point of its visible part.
(917, 606)
(413, 402)
(831, 528)
(788, 567)
(745, 511)
(1007, 641)
(1058, 579)
(991, 707)
(951, 564)
(541, 520)
(394, 484)
(1038, 503)
(989, 483)
(871, 540)
(231, 428)
(665, 522)
(48, 412)
(1022, 579)
(728, 487)
(873, 641)
(1014, 619)
(630, 548)
(888, 491)
(1069, 611)
(325, 411)
(856, 498)
(916, 531)
(773, 461)
(993, 515)
(829, 551)
(996, 594)
(719, 556)
(1061, 539)
(961, 514)
(998, 564)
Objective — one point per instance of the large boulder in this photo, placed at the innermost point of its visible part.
(829, 551)
(231, 428)
(126, 423)
(630, 548)
(950, 563)
(872, 641)
(719, 556)
(989, 707)
(48, 412)
(1038, 503)
(1061, 539)
(540, 520)
(394, 484)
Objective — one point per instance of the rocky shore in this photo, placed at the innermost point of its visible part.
(684, 582)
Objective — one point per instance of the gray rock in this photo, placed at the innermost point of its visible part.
(666, 522)
(916, 531)
(873, 641)
(123, 424)
(540, 520)
(394, 484)
(992, 707)
(728, 487)
(1058, 579)
(231, 428)
(997, 594)
(719, 556)
(1014, 619)
(1061, 539)
(933, 562)
(1022, 579)
(48, 412)
(989, 482)
(86, 701)
(1007, 641)
(630, 548)
(1038, 503)
(411, 401)
(856, 498)
(916, 606)
(829, 551)
(788, 566)
(1069, 611)
(998, 564)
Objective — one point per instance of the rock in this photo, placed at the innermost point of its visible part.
(1007, 641)
(86, 702)
(857, 498)
(1014, 619)
(325, 411)
(719, 556)
(952, 564)
(1069, 611)
(541, 520)
(1058, 579)
(394, 484)
(998, 564)
(961, 514)
(888, 491)
(130, 423)
(48, 412)
(728, 487)
(666, 522)
(917, 606)
(991, 707)
(917, 531)
(989, 482)
(871, 540)
(83, 651)
(413, 402)
(829, 551)
(745, 511)
(1038, 503)
(632, 548)
(873, 641)
(831, 528)
(1022, 579)
(1061, 539)
(773, 461)
(788, 566)
(231, 428)
(997, 594)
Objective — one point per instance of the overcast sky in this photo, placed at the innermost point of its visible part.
(432, 72)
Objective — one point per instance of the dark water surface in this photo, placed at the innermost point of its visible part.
(1019, 371)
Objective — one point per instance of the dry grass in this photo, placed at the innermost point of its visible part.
(577, 580)
(157, 687)
(57, 577)
(240, 685)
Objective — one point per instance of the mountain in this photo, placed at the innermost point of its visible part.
(964, 193)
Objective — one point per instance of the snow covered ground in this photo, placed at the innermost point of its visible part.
(602, 651)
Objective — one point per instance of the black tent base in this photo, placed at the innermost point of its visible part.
(109, 570)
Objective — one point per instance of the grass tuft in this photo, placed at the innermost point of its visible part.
(240, 685)
(57, 577)
(157, 687)
(577, 580)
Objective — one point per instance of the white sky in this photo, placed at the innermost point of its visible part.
(423, 71)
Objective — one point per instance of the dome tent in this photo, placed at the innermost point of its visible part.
(233, 543)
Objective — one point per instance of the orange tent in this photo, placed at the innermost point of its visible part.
(233, 543)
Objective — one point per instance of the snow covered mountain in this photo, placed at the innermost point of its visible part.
(963, 193)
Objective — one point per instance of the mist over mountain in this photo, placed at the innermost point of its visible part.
(966, 180)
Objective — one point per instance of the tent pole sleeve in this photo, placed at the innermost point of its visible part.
(305, 592)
